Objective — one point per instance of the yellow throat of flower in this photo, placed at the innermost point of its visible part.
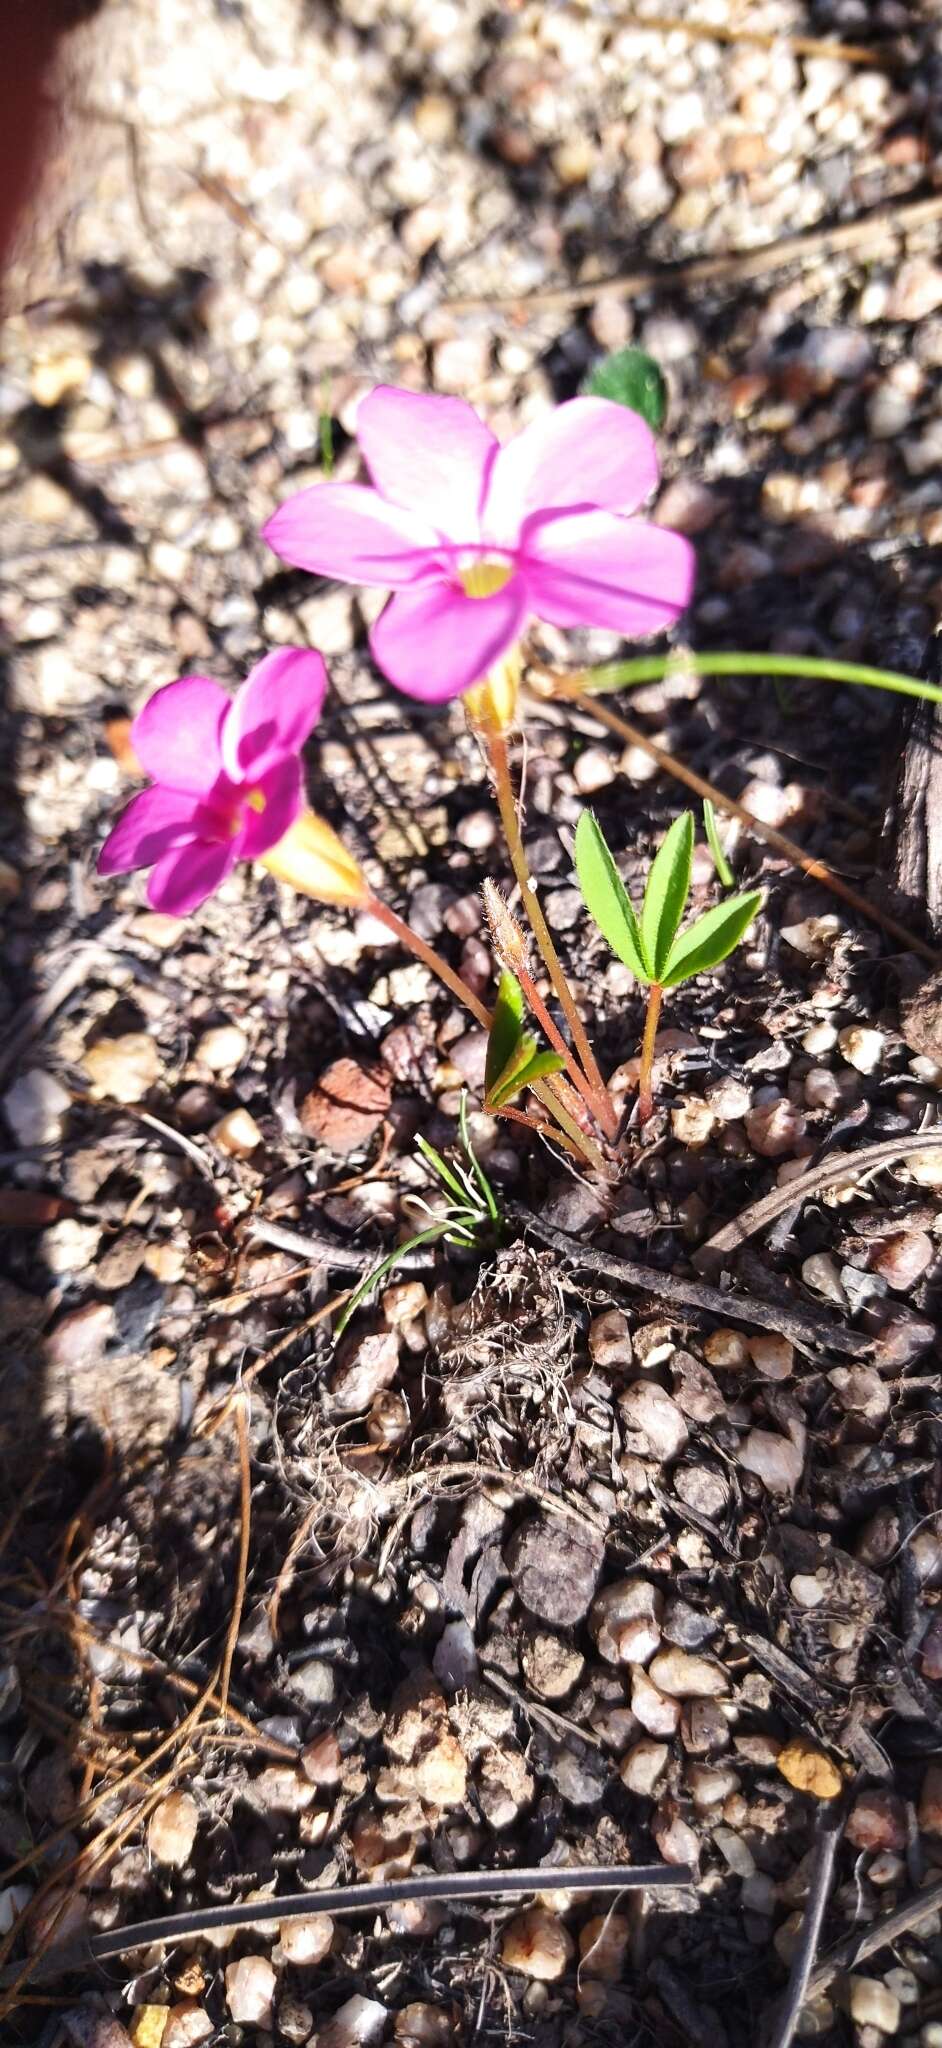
(316, 863)
(492, 704)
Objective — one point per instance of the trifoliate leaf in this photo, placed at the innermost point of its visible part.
(631, 378)
(668, 887)
(606, 898)
(711, 939)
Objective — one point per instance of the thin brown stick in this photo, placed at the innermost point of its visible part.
(830, 1829)
(803, 46)
(242, 1568)
(790, 851)
(836, 1167)
(746, 263)
(856, 1947)
(286, 1573)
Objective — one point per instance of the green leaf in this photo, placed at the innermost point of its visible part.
(444, 1172)
(506, 1029)
(630, 378)
(667, 889)
(720, 861)
(711, 939)
(387, 1265)
(508, 1083)
(606, 898)
(490, 1199)
(521, 1074)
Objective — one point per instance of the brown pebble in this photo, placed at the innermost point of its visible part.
(346, 1106)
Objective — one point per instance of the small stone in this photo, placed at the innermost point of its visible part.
(861, 1391)
(774, 1128)
(643, 1766)
(929, 1810)
(877, 1821)
(360, 2023)
(404, 1302)
(925, 1168)
(171, 1830)
(821, 1273)
(36, 1107)
(873, 2004)
(82, 1335)
(603, 1947)
(813, 937)
(223, 1048)
(693, 1122)
(902, 1258)
(68, 1247)
(505, 1787)
(863, 1048)
(727, 1350)
(809, 1770)
(250, 1988)
(658, 1715)
(346, 1106)
(819, 1039)
(367, 1364)
(729, 1100)
(537, 1944)
(594, 769)
(688, 506)
(916, 290)
(774, 1459)
(822, 1089)
(126, 1069)
(654, 1424)
(188, 2023)
(550, 1665)
(574, 161)
(610, 1339)
(685, 1676)
(424, 2026)
(237, 1133)
(148, 2025)
(295, 2021)
(307, 1940)
(710, 1784)
(624, 1621)
(554, 1568)
(772, 1356)
(674, 1836)
(462, 363)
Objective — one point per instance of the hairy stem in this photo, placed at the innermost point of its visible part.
(465, 995)
(623, 675)
(601, 1102)
(431, 959)
(645, 1088)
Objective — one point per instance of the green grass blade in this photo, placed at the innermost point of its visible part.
(606, 898)
(388, 1265)
(720, 861)
(444, 1172)
(668, 887)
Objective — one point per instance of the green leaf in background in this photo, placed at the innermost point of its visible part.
(630, 378)
(506, 1029)
(606, 898)
(711, 939)
(666, 892)
(720, 861)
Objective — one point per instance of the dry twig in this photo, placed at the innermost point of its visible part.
(829, 1172)
(830, 1829)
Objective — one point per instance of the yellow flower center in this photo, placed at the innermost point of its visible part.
(484, 578)
(257, 801)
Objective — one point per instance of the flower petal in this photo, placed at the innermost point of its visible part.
(272, 714)
(432, 455)
(435, 642)
(184, 878)
(282, 790)
(351, 532)
(589, 452)
(154, 821)
(594, 569)
(176, 736)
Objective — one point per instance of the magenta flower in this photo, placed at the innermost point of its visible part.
(475, 539)
(227, 781)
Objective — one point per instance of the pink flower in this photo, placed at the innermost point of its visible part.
(475, 539)
(227, 782)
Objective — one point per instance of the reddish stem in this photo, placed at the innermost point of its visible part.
(645, 1091)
